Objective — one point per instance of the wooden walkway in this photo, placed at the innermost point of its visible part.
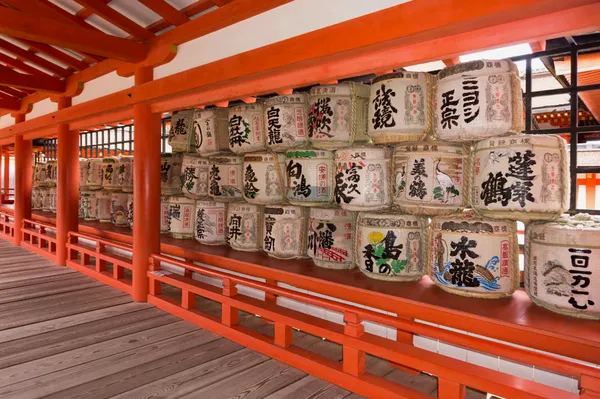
(65, 335)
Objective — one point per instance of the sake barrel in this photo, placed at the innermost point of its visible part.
(263, 178)
(285, 121)
(210, 222)
(165, 222)
(244, 227)
(473, 256)
(478, 99)
(51, 173)
(330, 238)
(401, 107)
(42, 198)
(125, 174)
(521, 178)
(118, 209)
(89, 206)
(84, 170)
(81, 211)
(130, 210)
(52, 196)
(110, 168)
(194, 176)
(362, 178)
(246, 128)
(390, 246)
(182, 132)
(430, 178)
(225, 178)
(284, 231)
(49, 200)
(36, 198)
(562, 265)
(104, 206)
(170, 174)
(39, 175)
(95, 176)
(337, 115)
(309, 177)
(212, 131)
(182, 214)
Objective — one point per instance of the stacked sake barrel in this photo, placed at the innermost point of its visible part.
(348, 174)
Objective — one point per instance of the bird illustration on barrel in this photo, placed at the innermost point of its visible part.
(445, 183)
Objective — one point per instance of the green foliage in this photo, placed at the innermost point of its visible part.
(438, 193)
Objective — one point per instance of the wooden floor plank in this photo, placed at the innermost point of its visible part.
(75, 357)
(254, 383)
(195, 378)
(69, 321)
(42, 290)
(70, 377)
(40, 346)
(40, 280)
(149, 372)
(310, 387)
(27, 274)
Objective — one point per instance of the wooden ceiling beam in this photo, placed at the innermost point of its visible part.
(101, 9)
(56, 54)
(189, 11)
(31, 57)
(18, 64)
(23, 26)
(8, 77)
(167, 11)
(13, 92)
(9, 103)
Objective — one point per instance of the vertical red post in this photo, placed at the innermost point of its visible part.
(23, 181)
(67, 187)
(6, 177)
(146, 189)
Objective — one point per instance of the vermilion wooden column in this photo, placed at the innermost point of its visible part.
(23, 181)
(6, 177)
(67, 194)
(146, 189)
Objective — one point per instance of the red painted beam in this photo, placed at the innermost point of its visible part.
(100, 8)
(8, 77)
(56, 54)
(31, 57)
(43, 30)
(9, 103)
(167, 11)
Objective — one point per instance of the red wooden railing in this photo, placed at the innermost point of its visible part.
(80, 254)
(7, 196)
(40, 238)
(453, 375)
(7, 225)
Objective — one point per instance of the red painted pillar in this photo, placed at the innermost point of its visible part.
(6, 177)
(146, 189)
(23, 181)
(67, 187)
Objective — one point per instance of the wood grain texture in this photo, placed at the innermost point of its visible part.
(65, 335)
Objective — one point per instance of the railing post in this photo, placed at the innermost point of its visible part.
(590, 387)
(100, 263)
(450, 390)
(69, 252)
(354, 359)
(146, 188)
(229, 314)
(6, 177)
(283, 335)
(154, 286)
(23, 181)
(39, 238)
(67, 194)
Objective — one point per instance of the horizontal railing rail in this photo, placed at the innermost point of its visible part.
(7, 225)
(80, 254)
(39, 237)
(452, 374)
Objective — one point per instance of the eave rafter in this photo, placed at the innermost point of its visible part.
(8, 77)
(48, 31)
(167, 11)
(9, 103)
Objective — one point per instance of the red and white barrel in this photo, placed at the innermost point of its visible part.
(194, 176)
(331, 237)
(104, 206)
(225, 178)
(244, 227)
(182, 214)
(285, 122)
(284, 231)
(211, 131)
(310, 177)
(118, 209)
(246, 128)
(170, 173)
(210, 226)
(263, 178)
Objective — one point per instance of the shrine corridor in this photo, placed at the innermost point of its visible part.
(65, 335)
